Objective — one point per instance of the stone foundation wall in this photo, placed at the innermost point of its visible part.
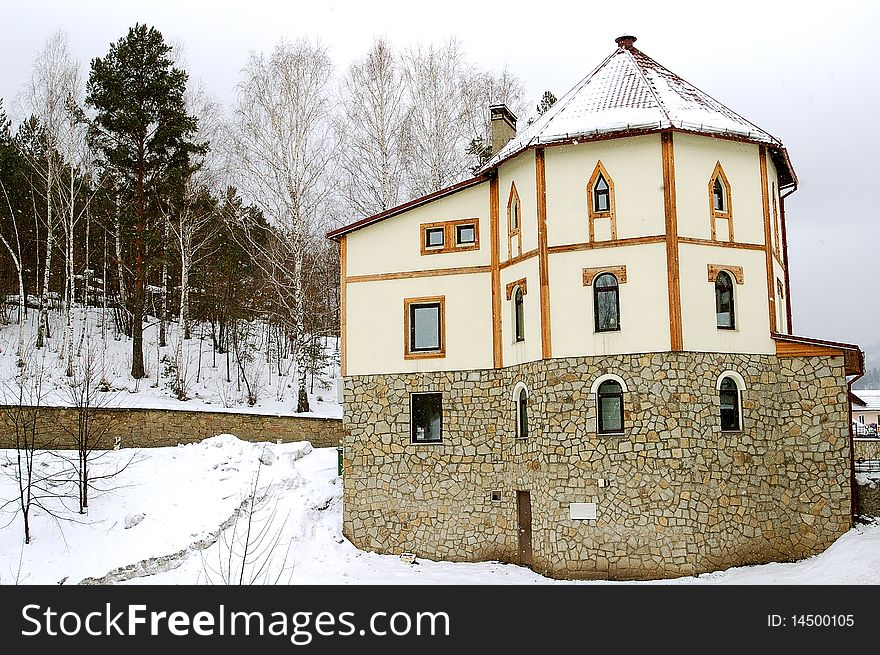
(866, 448)
(156, 427)
(681, 497)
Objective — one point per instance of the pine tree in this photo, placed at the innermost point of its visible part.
(547, 101)
(144, 136)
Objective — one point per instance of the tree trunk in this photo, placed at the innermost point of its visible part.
(137, 318)
(163, 320)
(43, 315)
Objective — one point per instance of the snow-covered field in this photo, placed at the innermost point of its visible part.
(213, 381)
(188, 508)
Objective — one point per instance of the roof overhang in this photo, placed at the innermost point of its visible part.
(340, 232)
(791, 346)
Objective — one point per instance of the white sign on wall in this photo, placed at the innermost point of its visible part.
(582, 511)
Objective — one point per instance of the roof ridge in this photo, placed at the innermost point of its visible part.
(644, 77)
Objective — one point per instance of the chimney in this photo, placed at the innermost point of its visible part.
(626, 41)
(503, 126)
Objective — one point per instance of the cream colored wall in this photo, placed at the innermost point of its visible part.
(636, 168)
(521, 170)
(394, 244)
(699, 328)
(695, 159)
(375, 324)
(644, 307)
(530, 349)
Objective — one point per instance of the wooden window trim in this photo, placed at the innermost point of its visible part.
(592, 212)
(715, 214)
(591, 274)
(428, 354)
(512, 233)
(449, 234)
(521, 283)
(433, 442)
(735, 271)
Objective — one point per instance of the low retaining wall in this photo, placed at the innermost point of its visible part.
(866, 448)
(144, 428)
(868, 497)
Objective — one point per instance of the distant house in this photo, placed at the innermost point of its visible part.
(865, 405)
(582, 359)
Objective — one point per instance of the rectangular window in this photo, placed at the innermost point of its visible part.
(434, 237)
(424, 329)
(426, 417)
(611, 414)
(465, 234)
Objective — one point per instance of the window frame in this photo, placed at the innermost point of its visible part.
(737, 392)
(514, 208)
(450, 236)
(726, 213)
(521, 404)
(423, 442)
(457, 230)
(600, 414)
(408, 334)
(519, 319)
(605, 290)
(593, 213)
(731, 281)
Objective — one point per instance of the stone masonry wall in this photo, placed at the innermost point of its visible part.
(866, 448)
(157, 427)
(682, 496)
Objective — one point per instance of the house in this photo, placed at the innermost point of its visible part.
(865, 405)
(582, 359)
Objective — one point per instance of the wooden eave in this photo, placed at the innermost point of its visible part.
(792, 346)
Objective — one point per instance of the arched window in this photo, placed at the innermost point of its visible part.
(610, 407)
(730, 406)
(514, 223)
(600, 195)
(522, 413)
(720, 205)
(606, 303)
(724, 312)
(519, 323)
(719, 197)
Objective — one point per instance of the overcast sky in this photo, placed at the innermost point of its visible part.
(807, 75)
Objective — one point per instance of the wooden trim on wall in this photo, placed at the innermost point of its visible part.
(495, 238)
(592, 212)
(342, 298)
(672, 264)
(790, 349)
(543, 269)
(634, 241)
(516, 260)
(617, 271)
(785, 264)
(776, 239)
(521, 283)
(768, 245)
(511, 232)
(432, 354)
(449, 236)
(407, 275)
(721, 244)
(736, 271)
(727, 214)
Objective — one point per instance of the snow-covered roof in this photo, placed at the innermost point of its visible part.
(629, 92)
(871, 398)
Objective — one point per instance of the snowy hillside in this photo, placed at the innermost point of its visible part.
(214, 381)
(180, 516)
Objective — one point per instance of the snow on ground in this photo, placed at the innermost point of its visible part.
(207, 384)
(194, 502)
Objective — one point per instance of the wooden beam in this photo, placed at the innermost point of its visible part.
(543, 271)
(342, 284)
(407, 275)
(497, 353)
(672, 265)
(785, 265)
(633, 241)
(768, 245)
(721, 244)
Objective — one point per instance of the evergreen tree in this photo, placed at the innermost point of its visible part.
(144, 137)
(547, 101)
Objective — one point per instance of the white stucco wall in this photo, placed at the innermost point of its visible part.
(521, 170)
(394, 245)
(530, 349)
(636, 168)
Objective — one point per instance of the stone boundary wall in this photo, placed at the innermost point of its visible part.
(674, 495)
(868, 497)
(866, 448)
(145, 428)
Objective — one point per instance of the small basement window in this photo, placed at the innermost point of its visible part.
(465, 235)
(426, 422)
(434, 237)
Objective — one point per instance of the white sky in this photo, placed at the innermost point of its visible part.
(805, 72)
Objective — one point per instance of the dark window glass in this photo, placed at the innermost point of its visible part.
(514, 215)
(424, 327)
(724, 313)
(519, 318)
(718, 195)
(729, 405)
(465, 234)
(427, 417)
(522, 415)
(606, 303)
(433, 237)
(600, 195)
(610, 407)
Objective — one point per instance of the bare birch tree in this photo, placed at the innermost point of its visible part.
(282, 143)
